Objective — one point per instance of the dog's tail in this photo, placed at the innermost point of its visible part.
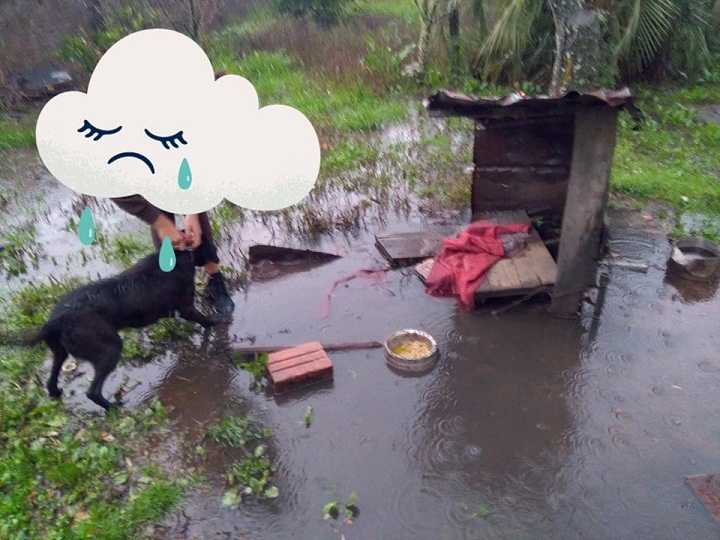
(22, 338)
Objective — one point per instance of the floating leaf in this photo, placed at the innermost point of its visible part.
(272, 492)
(120, 478)
(484, 511)
(308, 415)
(352, 499)
(259, 451)
(231, 498)
(330, 510)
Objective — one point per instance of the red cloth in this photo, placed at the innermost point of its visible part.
(460, 267)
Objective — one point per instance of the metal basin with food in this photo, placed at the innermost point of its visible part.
(696, 259)
(411, 350)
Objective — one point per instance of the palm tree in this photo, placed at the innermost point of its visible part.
(637, 36)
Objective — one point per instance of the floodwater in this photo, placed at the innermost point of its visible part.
(529, 427)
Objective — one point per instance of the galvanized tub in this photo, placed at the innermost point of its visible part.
(404, 338)
(695, 258)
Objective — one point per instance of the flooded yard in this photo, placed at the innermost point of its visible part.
(530, 426)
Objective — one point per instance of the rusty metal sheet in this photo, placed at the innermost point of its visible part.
(707, 488)
(447, 103)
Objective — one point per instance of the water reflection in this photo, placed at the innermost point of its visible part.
(498, 410)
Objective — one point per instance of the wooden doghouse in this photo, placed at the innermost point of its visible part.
(552, 158)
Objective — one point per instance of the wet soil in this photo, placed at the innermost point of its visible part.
(530, 426)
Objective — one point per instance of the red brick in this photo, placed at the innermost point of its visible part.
(297, 360)
(301, 364)
(293, 351)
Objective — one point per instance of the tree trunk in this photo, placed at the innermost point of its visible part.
(97, 18)
(423, 47)
(194, 21)
(426, 9)
(454, 31)
(580, 57)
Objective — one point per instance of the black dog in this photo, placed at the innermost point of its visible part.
(85, 322)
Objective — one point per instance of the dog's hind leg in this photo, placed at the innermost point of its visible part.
(59, 356)
(96, 341)
(104, 362)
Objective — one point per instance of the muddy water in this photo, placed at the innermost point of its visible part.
(529, 426)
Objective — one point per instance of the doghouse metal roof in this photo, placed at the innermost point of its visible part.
(518, 104)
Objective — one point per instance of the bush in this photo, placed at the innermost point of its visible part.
(325, 12)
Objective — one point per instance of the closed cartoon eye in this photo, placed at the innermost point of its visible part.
(167, 141)
(98, 133)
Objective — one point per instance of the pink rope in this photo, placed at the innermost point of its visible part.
(378, 277)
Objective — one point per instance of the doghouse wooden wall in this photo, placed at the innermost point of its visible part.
(523, 163)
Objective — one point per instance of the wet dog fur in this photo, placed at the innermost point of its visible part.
(85, 322)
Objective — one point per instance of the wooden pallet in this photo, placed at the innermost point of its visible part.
(531, 270)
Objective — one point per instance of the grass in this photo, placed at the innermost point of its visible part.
(84, 476)
(673, 157)
(347, 155)
(127, 249)
(71, 475)
(19, 245)
(706, 228)
(397, 9)
(251, 474)
(278, 79)
(15, 134)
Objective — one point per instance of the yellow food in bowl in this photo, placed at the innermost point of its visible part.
(413, 350)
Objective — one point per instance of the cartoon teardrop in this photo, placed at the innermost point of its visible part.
(184, 175)
(167, 255)
(86, 227)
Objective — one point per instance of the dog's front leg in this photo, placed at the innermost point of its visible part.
(193, 315)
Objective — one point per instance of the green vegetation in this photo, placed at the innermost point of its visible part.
(14, 134)
(348, 155)
(672, 157)
(255, 366)
(332, 509)
(307, 418)
(251, 474)
(70, 474)
(127, 249)
(19, 247)
(142, 346)
(706, 228)
(73, 475)
(279, 79)
(325, 12)
(397, 9)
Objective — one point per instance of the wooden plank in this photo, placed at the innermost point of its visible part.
(259, 252)
(503, 276)
(707, 488)
(534, 264)
(423, 269)
(542, 262)
(530, 270)
(406, 248)
(334, 347)
(583, 220)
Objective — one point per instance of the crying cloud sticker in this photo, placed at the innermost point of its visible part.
(155, 122)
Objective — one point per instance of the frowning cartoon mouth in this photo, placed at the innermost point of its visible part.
(134, 155)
